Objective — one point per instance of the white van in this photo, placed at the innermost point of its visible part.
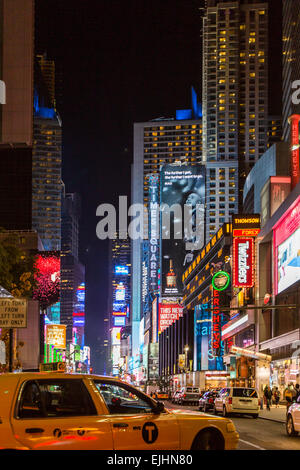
(239, 400)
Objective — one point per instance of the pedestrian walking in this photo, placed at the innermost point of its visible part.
(277, 397)
(288, 395)
(268, 396)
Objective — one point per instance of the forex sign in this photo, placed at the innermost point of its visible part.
(243, 262)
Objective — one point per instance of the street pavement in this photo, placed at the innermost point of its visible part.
(266, 433)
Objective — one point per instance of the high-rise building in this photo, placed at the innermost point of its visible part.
(16, 70)
(235, 100)
(291, 63)
(47, 156)
(72, 271)
(119, 295)
(157, 142)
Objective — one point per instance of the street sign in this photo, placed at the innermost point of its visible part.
(13, 313)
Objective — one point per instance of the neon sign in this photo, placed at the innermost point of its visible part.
(295, 171)
(243, 262)
(220, 280)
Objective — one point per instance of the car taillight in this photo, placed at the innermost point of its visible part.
(230, 400)
(210, 400)
(184, 395)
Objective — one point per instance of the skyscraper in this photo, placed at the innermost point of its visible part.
(235, 100)
(291, 63)
(46, 160)
(119, 294)
(158, 142)
(72, 271)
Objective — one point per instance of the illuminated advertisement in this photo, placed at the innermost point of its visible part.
(168, 314)
(56, 335)
(220, 280)
(216, 323)
(295, 173)
(182, 224)
(145, 276)
(204, 357)
(154, 320)
(78, 320)
(243, 262)
(287, 248)
(124, 270)
(120, 293)
(119, 321)
(272, 195)
(47, 277)
(115, 336)
(154, 238)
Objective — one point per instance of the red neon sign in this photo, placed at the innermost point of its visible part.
(243, 262)
(246, 232)
(295, 171)
(216, 322)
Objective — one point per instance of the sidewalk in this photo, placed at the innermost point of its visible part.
(275, 414)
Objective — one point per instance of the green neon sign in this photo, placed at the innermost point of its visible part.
(220, 280)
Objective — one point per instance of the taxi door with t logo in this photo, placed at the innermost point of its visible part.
(133, 422)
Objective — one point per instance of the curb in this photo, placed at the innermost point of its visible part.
(272, 419)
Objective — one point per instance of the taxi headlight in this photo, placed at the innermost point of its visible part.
(230, 427)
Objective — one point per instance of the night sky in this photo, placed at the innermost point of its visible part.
(121, 61)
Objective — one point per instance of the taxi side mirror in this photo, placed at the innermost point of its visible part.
(160, 407)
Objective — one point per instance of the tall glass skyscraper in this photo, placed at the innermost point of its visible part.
(235, 100)
(46, 160)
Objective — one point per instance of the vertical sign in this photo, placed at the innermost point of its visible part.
(295, 172)
(216, 323)
(154, 279)
(243, 262)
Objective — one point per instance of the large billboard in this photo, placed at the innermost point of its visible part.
(168, 314)
(287, 248)
(56, 335)
(47, 277)
(182, 222)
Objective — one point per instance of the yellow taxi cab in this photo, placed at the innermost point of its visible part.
(162, 395)
(50, 410)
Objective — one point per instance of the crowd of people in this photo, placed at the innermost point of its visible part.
(290, 395)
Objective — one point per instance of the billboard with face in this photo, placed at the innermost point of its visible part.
(182, 222)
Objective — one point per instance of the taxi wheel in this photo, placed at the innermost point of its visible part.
(290, 430)
(208, 440)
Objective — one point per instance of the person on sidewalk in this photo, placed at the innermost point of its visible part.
(276, 397)
(268, 396)
(288, 395)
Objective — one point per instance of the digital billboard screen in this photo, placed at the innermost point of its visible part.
(286, 239)
(168, 314)
(182, 222)
(47, 277)
(288, 262)
(124, 270)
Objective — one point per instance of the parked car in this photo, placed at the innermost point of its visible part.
(238, 400)
(189, 395)
(59, 411)
(293, 419)
(207, 401)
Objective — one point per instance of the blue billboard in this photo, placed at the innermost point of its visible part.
(124, 270)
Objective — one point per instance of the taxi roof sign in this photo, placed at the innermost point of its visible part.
(53, 367)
